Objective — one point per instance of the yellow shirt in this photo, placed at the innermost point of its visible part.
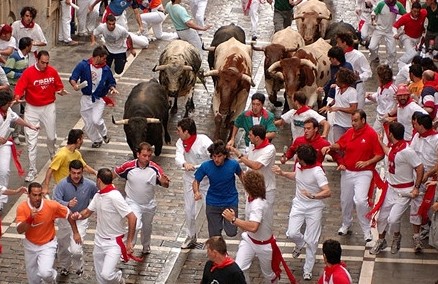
(62, 160)
(415, 88)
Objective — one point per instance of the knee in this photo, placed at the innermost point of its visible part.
(47, 275)
(293, 235)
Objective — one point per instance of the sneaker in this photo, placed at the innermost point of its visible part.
(106, 139)
(189, 243)
(31, 175)
(296, 252)
(17, 141)
(254, 38)
(71, 43)
(379, 246)
(418, 245)
(307, 276)
(424, 233)
(368, 237)
(80, 271)
(96, 144)
(395, 245)
(64, 272)
(344, 230)
(146, 250)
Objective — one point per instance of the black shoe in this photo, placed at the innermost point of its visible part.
(254, 38)
(106, 139)
(96, 144)
(80, 271)
(64, 272)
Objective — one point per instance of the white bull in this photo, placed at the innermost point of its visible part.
(312, 18)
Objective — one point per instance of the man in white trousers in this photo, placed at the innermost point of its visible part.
(100, 83)
(40, 83)
(87, 20)
(64, 35)
(75, 192)
(142, 176)
(112, 239)
(191, 151)
(405, 172)
(36, 220)
(198, 8)
(307, 205)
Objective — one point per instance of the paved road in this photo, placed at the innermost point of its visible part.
(168, 263)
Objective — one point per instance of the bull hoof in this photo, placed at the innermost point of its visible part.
(278, 104)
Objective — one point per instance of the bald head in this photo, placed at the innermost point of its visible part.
(428, 75)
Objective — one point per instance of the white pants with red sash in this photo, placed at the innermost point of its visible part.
(246, 253)
(106, 255)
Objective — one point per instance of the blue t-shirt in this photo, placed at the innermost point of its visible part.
(119, 6)
(222, 191)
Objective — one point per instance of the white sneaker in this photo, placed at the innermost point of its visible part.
(379, 246)
(343, 230)
(31, 175)
(368, 237)
(307, 276)
(190, 242)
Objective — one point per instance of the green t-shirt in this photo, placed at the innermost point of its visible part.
(282, 5)
(179, 16)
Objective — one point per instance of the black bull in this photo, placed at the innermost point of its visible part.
(146, 115)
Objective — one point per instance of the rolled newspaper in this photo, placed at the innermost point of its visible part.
(83, 84)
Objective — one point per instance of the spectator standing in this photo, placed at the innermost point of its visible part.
(36, 220)
(307, 205)
(75, 192)
(257, 240)
(142, 175)
(335, 270)
(117, 42)
(7, 43)
(40, 83)
(256, 115)
(222, 192)
(220, 267)
(404, 176)
(185, 25)
(384, 15)
(191, 152)
(7, 146)
(64, 34)
(59, 167)
(100, 83)
(109, 240)
(27, 27)
(361, 151)
(410, 28)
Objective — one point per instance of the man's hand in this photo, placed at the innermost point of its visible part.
(362, 164)
(76, 216)
(114, 91)
(325, 150)
(72, 203)
(229, 214)
(129, 248)
(341, 168)
(3, 140)
(197, 195)
(133, 52)
(77, 238)
(189, 167)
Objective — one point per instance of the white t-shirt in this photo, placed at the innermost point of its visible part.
(404, 116)
(5, 124)
(265, 156)
(310, 180)
(111, 209)
(344, 100)
(256, 211)
(96, 76)
(405, 162)
(427, 149)
(115, 41)
(5, 44)
(36, 33)
(296, 121)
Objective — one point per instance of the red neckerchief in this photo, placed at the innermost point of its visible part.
(90, 61)
(348, 49)
(250, 199)
(107, 189)
(385, 86)
(188, 143)
(410, 100)
(428, 133)
(397, 147)
(329, 270)
(262, 145)
(28, 26)
(227, 261)
(302, 109)
(306, 167)
(263, 113)
(3, 113)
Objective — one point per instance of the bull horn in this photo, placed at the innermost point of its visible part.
(291, 49)
(188, 68)
(274, 66)
(119, 122)
(308, 63)
(257, 48)
(211, 73)
(210, 48)
(152, 120)
(248, 79)
(321, 17)
(159, 68)
(299, 17)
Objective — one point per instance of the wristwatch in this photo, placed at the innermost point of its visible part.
(233, 220)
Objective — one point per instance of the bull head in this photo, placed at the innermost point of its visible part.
(126, 121)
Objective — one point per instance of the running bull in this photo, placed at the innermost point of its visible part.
(146, 115)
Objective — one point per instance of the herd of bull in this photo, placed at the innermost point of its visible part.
(294, 60)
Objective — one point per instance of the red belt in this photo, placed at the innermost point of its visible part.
(402, 185)
(262, 242)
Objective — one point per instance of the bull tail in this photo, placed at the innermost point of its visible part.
(201, 77)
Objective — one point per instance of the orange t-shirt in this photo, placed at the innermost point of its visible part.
(42, 229)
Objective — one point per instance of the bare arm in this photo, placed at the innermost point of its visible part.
(277, 170)
(349, 109)
(233, 136)
(271, 135)
(46, 181)
(325, 128)
(132, 220)
(196, 192)
(191, 24)
(90, 170)
(25, 225)
(250, 226)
